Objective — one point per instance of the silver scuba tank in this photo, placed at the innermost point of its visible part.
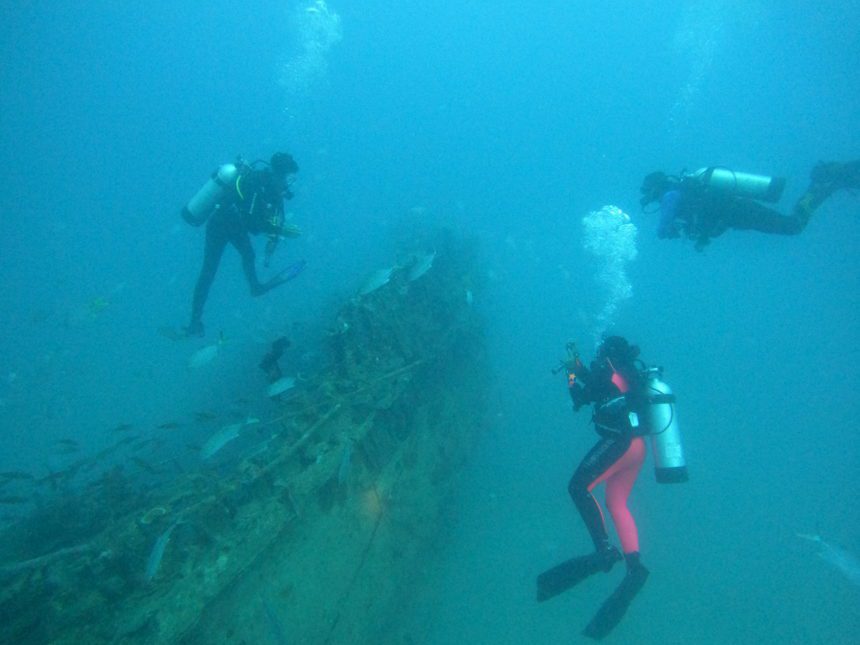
(740, 184)
(669, 464)
(200, 207)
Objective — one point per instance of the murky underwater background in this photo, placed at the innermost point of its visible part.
(510, 121)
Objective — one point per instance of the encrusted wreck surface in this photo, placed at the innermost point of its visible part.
(314, 535)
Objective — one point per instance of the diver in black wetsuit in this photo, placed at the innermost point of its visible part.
(251, 202)
(705, 204)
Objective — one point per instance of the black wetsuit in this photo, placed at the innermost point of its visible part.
(698, 213)
(254, 205)
(690, 208)
(613, 404)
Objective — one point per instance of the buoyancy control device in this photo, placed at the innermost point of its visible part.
(200, 207)
(670, 466)
(739, 184)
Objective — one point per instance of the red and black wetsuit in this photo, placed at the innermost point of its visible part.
(618, 392)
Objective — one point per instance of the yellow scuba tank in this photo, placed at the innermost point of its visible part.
(200, 207)
(739, 184)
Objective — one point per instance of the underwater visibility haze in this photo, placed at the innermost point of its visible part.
(469, 171)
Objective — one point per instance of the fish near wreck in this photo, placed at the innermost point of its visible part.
(345, 463)
(376, 280)
(157, 553)
(421, 265)
(220, 439)
(224, 436)
(280, 386)
(206, 355)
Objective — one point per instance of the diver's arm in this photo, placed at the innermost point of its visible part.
(577, 386)
(669, 208)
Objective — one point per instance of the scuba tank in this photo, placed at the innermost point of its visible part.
(739, 184)
(200, 207)
(669, 464)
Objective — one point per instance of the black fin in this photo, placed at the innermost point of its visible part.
(571, 572)
(613, 608)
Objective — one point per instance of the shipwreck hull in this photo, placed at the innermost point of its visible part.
(317, 534)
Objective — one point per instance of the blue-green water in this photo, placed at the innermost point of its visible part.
(511, 121)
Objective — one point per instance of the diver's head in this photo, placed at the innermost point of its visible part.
(617, 350)
(654, 185)
(283, 164)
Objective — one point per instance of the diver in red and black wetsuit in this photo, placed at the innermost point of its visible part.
(618, 392)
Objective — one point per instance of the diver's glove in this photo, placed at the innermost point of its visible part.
(289, 230)
(271, 246)
(577, 395)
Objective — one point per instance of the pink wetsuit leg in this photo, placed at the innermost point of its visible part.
(619, 478)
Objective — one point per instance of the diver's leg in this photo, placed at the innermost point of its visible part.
(619, 483)
(216, 240)
(242, 241)
(749, 215)
(565, 575)
(591, 471)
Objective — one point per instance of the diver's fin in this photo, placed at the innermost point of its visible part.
(613, 608)
(836, 176)
(283, 276)
(824, 180)
(571, 572)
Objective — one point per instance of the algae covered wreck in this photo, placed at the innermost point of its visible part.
(312, 535)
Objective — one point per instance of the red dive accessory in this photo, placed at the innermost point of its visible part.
(617, 379)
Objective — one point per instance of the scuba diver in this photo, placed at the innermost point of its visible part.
(238, 200)
(621, 395)
(706, 203)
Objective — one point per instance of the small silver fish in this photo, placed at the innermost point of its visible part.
(206, 355)
(837, 557)
(276, 629)
(422, 265)
(220, 439)
(345, 463)
(376, 280)
(280, 386)
(157, 553)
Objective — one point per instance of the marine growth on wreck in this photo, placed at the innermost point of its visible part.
(313, 533)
